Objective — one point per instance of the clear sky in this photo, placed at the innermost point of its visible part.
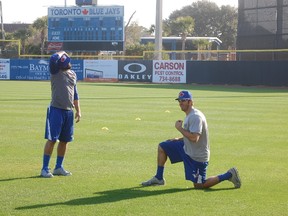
(27, 11)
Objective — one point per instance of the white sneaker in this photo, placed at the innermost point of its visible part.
(61, 171)
(153, 182)
(45, 173)
(235, 179)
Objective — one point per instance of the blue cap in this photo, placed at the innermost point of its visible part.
(184, 95)
(57, 61)
(63, 61)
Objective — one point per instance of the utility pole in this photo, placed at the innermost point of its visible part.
(2, 25)
(158, 30)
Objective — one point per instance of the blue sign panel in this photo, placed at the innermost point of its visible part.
(86, 24)
(34, 69)
(29, 69)
(77, 67)
(83, 2)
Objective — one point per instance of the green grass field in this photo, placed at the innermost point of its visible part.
(248, 129)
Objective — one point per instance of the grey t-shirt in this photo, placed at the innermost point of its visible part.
(195, 122)
(62, 89)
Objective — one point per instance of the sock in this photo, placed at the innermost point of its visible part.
(160, 171)
(224, 176)
(59, 162)
(46, 160)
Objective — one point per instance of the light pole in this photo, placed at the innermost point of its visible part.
(2, 25)
(158, 30)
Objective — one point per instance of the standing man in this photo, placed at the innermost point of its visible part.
(192, 149)
(60, 115)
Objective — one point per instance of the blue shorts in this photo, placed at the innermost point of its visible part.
(59, 124)
(194, 171)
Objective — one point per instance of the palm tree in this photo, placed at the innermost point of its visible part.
(23, 35)
(201, 45)
(41, 24)
(183, 26)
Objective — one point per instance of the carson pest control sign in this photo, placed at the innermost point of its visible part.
(169, 71)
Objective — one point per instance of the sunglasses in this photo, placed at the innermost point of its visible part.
(183, 100)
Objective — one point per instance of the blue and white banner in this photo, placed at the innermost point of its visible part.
(38, 69)
(29, 69)
(100, 69)
(4, 69)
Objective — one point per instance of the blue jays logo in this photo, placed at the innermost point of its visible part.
(181, 94)
(63, 58)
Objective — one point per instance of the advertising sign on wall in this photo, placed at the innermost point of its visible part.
(77, 67)
(137, 71)
(38, 69)
(29, 69)
(100, 70)
(169, 71)
(4, 68)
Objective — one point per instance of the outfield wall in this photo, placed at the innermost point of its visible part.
(267, 73)
(270, 73)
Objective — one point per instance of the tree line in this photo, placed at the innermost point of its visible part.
(199, 19)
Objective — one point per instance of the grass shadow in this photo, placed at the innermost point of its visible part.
(219, 189)
(19, 178)
(110, 196)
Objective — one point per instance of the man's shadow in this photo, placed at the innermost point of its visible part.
(19, 178)
(110, 196)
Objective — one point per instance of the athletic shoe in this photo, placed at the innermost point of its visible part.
(61, 171)
(45, 173)
(153, 182)
(235, 179)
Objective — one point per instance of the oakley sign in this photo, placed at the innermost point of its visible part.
(135, 68)
(135, 71)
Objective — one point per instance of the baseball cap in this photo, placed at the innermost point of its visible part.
(58, 60)
(184, 95)
(64, 60)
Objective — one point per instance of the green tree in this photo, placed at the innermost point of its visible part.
(151, 30)
(183, 27)
(202, 44)
(41, 25)
(138, 49)
(211, 21)
(228, 19)
(23, 35)
(9, 49)
(134, 32)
